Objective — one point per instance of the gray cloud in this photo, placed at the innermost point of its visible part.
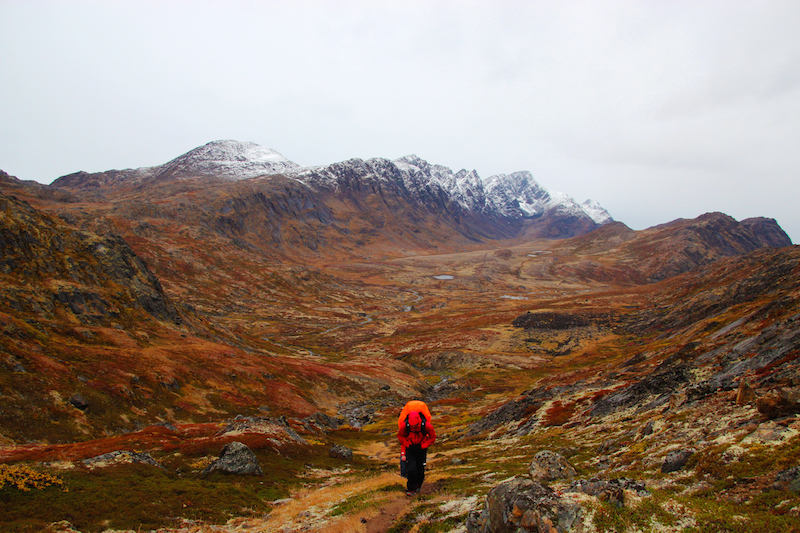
(658, 110)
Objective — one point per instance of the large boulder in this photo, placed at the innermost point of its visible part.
(549, 466)
(522, 505)
(235, 458)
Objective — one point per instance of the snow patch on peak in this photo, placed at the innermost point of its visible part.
(229, 159)
(464, 187)
(230, 150)
(596, 212)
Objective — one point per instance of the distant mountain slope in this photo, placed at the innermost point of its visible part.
(410, 193)
(225, 160)
(654, 254)
(681, 245)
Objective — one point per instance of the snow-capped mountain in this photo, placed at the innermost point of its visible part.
(514, 196)
(465, 188)
(502, 205)
(231, 160)
(519, 195)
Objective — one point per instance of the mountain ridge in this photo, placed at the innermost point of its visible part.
(491, 201)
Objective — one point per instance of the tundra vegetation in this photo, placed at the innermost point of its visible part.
(139, 338)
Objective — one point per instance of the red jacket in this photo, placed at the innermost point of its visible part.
(414, 433)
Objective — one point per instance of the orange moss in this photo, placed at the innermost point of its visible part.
(558, 414)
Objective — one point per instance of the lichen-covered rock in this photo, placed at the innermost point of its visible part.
(609, 490)
(235, 458)
(121, 457)
(549, 466)
(525, 506)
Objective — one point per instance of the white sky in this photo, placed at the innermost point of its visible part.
(657, 109)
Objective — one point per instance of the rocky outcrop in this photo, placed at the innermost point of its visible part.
(609, 490)
(121, 457)
(96, 278)
(513, 411)
(782, 402)
(656, 389)
(789, 479)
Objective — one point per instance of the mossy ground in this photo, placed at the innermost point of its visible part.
(143, 497)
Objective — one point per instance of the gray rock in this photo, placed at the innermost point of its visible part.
(609, 490)
(121, 456)
(235, 458)
(665, 379)
(79, 402)
(525, 506)
(676, 460)
(322, 422)
(549, 466)
(791, 478)
(338, 451)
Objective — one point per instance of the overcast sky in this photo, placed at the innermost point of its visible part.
(656, 109)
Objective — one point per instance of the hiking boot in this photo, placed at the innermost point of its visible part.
(410, 493)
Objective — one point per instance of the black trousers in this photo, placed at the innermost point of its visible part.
(416, 458)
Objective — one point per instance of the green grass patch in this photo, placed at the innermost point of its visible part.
(756, 461)
(136, 497)
(714, 516)
(143, 497)
(642, 517)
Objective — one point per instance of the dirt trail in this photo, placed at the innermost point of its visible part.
(388, 515)
(395, 508)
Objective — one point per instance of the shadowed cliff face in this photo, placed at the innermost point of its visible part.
(51, 268)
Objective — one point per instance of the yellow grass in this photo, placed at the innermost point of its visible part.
(310, 505)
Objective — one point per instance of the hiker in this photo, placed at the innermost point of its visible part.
(415, 433)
